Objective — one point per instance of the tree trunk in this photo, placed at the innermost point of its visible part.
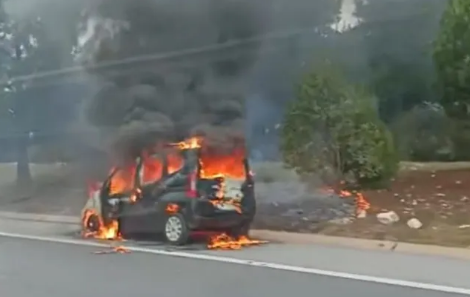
(23, 173)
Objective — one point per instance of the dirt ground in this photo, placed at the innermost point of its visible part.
(438, 195)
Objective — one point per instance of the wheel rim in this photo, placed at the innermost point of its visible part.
(173, 228)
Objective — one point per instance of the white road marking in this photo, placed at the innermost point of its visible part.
(344, 275)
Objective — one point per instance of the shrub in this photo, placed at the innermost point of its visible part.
(332, 128)
(424, 134)
(460, 135)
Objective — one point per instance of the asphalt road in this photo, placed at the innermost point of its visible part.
(44, 269)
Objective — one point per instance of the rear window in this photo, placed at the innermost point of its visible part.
(222, 164)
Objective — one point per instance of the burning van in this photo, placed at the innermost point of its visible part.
(174, 192)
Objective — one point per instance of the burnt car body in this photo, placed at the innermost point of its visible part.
(176, 203)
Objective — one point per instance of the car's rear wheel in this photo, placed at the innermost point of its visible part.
(176, 230)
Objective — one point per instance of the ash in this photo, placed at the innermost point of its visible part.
(291, 202)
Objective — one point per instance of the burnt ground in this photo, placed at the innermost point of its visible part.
(438, 196)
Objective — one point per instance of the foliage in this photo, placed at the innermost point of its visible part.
(452, 58)
(424, 133)
(396, 36)
(332, 128)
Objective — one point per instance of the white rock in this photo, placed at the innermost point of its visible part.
(361, 214)
(414, 223)
(341, 221)
(388, 218)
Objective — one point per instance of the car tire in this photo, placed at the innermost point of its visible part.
(176, 230)
(91, 225)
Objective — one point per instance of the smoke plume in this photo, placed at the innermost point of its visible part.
(200, 92)
(140, 103)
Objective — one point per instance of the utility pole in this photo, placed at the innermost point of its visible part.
(23, 173)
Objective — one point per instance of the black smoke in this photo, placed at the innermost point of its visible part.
(191, 92)
(135, 106)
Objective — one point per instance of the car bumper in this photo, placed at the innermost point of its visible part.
(203, 216)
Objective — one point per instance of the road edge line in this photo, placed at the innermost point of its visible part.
(260, 264)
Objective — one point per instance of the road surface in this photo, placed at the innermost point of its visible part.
(48, 269)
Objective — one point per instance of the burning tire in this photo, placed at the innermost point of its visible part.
(92, 223)
(176, 230)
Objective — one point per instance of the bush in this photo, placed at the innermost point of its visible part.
(333, 129)
(424, 134)
(451, 60)
(460, 135)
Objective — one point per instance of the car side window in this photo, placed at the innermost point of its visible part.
(151, 169)
(122, 181)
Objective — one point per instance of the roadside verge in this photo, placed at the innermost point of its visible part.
(290, 238)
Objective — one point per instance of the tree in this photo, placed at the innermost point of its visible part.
(26, 50)
(13, 54)
(397, 36)
(452, 59)
(332, 128)
(452, 63)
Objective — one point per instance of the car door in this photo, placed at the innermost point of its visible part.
(117, 188)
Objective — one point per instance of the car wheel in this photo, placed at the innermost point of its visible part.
(92, 224)
(176, 230)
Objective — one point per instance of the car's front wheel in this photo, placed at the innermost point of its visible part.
(176, 230)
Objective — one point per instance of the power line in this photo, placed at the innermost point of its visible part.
(192, 53)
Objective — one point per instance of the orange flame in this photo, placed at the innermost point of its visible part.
(225, 242)
(122, 180)
(172, 208)
(191, 143)
(360, 201)
(114, 250)
(111, 231)
(222, 164)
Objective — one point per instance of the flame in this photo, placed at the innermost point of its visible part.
(111, 231)
(151, 171)
(136, 195)
(114, 250)
(122, 180)
(222, 164)
(213, 164)
(175, 162)
(172, 208)
(233, 202)
(225, 242)
(360, 201)
(191, 143)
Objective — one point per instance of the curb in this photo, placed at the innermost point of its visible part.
(292, 238)
(364, 244)
(40, 217)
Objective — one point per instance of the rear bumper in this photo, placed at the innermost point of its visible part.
(203, 216)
